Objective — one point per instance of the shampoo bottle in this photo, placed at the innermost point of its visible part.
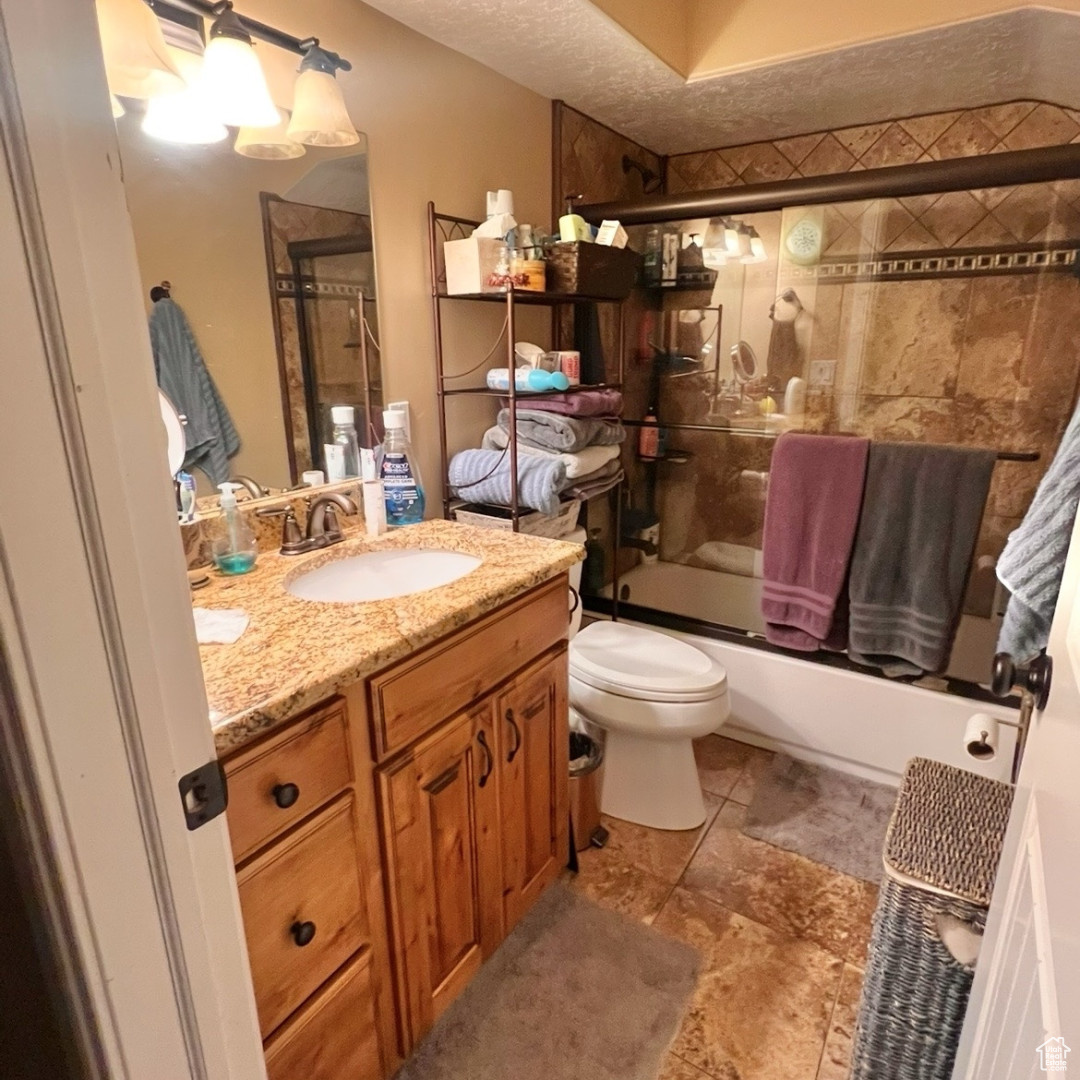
(233, 545)
(399, 474)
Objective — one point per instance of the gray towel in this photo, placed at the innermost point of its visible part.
(566, 434)
(182, 375)
(920, 518)
(1031, 565)
(483, 476)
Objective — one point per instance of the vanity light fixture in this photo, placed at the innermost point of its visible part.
(319, 116)
(756, 251)
(714, 253)
(233, 77)
(118, 109)
(732, 240)
(137, 61)
(269, 144)
(185, 117)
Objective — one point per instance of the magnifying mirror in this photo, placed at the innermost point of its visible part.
(174, 430)
(743, 361)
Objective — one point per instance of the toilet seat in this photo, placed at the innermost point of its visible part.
(632, 662)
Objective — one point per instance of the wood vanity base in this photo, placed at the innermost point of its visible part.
(387, 841)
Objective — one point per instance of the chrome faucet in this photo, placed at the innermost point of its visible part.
(253, 488)
(322, 525)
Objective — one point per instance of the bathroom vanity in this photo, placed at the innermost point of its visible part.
(397, 778)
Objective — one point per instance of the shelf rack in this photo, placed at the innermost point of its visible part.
(443, 227)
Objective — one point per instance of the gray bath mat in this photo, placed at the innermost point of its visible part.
(828, 816)
(575, 991)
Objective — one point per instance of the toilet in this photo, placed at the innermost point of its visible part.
(653, 695)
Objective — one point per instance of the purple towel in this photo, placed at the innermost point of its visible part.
(578, 403)
(815, 493)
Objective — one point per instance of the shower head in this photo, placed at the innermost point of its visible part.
(651, 182)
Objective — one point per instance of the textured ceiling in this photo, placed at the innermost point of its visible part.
(569, 49)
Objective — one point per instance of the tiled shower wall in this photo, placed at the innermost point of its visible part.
(988, 360)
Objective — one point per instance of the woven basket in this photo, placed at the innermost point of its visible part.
(534, 523)
(941, 855)
(592, 270)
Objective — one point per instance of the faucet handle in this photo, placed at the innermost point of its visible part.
(292, 539)
(330, 525)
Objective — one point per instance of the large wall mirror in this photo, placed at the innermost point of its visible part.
(271, 264)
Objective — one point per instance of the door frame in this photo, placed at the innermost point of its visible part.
(106, 707)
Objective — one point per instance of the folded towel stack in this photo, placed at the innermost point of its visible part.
(567, 444)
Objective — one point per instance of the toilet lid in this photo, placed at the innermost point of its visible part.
(634, 662)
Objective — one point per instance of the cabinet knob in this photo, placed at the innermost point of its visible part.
(285, 795)
(303, 933)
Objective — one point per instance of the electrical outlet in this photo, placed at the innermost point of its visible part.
(822, 372)
(403, 406)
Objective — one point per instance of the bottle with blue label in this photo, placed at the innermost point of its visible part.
(399, 474)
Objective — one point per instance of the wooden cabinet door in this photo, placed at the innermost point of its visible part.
(440, 832)
(532, 723)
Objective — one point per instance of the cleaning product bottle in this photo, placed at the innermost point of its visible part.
(344, 418)
(399, 474)
(573, 226)
(233, 544)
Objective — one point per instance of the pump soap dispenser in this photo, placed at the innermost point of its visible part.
(233, 544)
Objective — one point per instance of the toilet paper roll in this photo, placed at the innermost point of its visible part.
(981, 737)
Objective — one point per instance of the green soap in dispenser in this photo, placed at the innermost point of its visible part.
(233, 545)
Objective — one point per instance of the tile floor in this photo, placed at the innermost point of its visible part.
(783, 939)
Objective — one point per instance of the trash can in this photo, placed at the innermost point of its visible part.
(586, 770)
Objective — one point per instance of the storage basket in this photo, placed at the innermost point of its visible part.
(592, 270)
(941, 855)
(532, 522)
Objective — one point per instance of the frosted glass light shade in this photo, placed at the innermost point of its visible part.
(319, 115)
(269, 144)
(713, 249)
(117, 106)
(235, 84)
(137, 62)
(185, 117)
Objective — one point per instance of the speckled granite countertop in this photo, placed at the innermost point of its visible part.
(296, 653)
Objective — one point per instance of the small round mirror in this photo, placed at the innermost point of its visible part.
(743, 361)
(174, 430)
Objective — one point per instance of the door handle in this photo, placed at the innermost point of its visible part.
(443, 780)
(1034, 677)
(512, 752)
(489, 757)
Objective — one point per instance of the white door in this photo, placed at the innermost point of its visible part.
(1026, 995)
(102, 706)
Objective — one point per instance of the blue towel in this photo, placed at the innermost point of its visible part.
(483, 476)
(1033, 561)
(182, 375)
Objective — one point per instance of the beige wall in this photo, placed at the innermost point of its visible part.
(664, 28)
(439, 126)
(701, 38)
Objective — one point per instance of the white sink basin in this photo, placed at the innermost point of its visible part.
(382, 575)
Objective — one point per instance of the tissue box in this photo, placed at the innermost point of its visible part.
(470, 263)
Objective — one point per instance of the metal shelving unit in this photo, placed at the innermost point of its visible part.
(443, 227)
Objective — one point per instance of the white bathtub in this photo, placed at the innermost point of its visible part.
(860, 723)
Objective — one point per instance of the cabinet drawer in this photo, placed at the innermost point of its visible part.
(333, 1037)
(283, 779)
(410, 699)
(307, 885)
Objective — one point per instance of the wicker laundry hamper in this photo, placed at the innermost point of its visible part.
(941, 855)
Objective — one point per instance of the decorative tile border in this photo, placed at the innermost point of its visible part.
(339, 290)
(914, 266)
